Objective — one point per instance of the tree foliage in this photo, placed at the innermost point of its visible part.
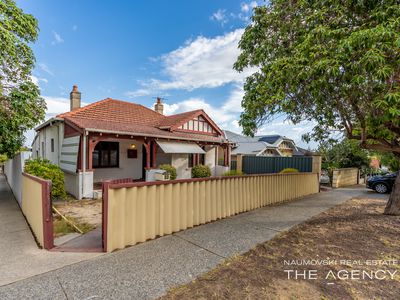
(343, 154)
(334, 62)
(43, 168)
(171, 170)
(201, 171)
(21, 106)
(389, 160)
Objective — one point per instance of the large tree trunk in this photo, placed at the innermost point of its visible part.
(393, 205)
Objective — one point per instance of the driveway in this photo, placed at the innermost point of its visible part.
(148, 270)
(20, 256)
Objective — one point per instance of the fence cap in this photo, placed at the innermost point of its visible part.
(164, 182)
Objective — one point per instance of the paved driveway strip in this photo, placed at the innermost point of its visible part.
(148, 270)
(19, 255)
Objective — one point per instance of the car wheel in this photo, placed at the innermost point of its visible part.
(381, 188)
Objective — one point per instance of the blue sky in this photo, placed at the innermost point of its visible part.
(180, 50)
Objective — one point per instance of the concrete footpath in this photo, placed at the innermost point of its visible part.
(148, 270)
(20, 256)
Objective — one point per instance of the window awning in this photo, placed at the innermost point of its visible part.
(179, 147)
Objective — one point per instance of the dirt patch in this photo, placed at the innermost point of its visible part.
(84, 211)
(349, 238)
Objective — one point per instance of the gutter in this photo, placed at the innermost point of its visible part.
(155, 136)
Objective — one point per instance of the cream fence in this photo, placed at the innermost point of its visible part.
(36, 207)
(345, 177)
(136, 212)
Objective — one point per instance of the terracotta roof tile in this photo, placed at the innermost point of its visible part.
(118, 116)
(178, 118)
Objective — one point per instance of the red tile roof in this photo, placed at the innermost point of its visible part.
(116, 116)
(178, 118)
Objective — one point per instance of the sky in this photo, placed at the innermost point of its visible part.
(182, 51)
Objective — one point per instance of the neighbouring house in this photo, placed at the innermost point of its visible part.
(265, 145)
(112, 139)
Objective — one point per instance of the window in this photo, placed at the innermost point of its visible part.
(106, 155)
(52, 145)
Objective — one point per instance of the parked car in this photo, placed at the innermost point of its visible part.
(324, 178)
(382, 183)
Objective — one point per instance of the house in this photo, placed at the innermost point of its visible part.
(265, 145)
(113, 139)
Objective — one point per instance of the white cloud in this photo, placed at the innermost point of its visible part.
(220, 16)
(138, 93)
(57, 105)
(234, 102)
(246, 7)
(36, 80)
(57, 38)
(45, 68)
(219, 115)
(202, 63)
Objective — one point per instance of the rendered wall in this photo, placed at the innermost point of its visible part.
(128, 167)
(344, 177)
(78, 186)
(13, 169)
(181, 163)
(136, 212)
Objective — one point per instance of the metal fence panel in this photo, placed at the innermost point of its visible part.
(272, 164)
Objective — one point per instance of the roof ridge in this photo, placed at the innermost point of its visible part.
(94, 104)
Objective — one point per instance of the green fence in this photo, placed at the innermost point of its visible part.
(263, 164)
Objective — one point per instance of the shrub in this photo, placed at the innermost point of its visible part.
(201, 171)
(170, 170)
(43, 168)
(289, 170)
(233, 173)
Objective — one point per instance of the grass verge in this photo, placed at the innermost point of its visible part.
(347, 236)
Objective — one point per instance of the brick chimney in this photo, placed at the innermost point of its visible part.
(159, 107)
(75, 98)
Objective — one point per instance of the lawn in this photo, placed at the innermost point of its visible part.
(353, 251)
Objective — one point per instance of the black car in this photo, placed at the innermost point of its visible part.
(382, 183)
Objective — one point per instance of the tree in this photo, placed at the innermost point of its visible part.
(21, 106)
(334, 62)
(343, 154)
(389, 160)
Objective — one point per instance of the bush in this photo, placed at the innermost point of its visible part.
(170, 170)
(43, 168)
(233, 173)
(289, 170)
(201, 171)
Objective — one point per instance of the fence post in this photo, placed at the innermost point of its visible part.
(104, 189)
(239, 163)
(316, 163)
